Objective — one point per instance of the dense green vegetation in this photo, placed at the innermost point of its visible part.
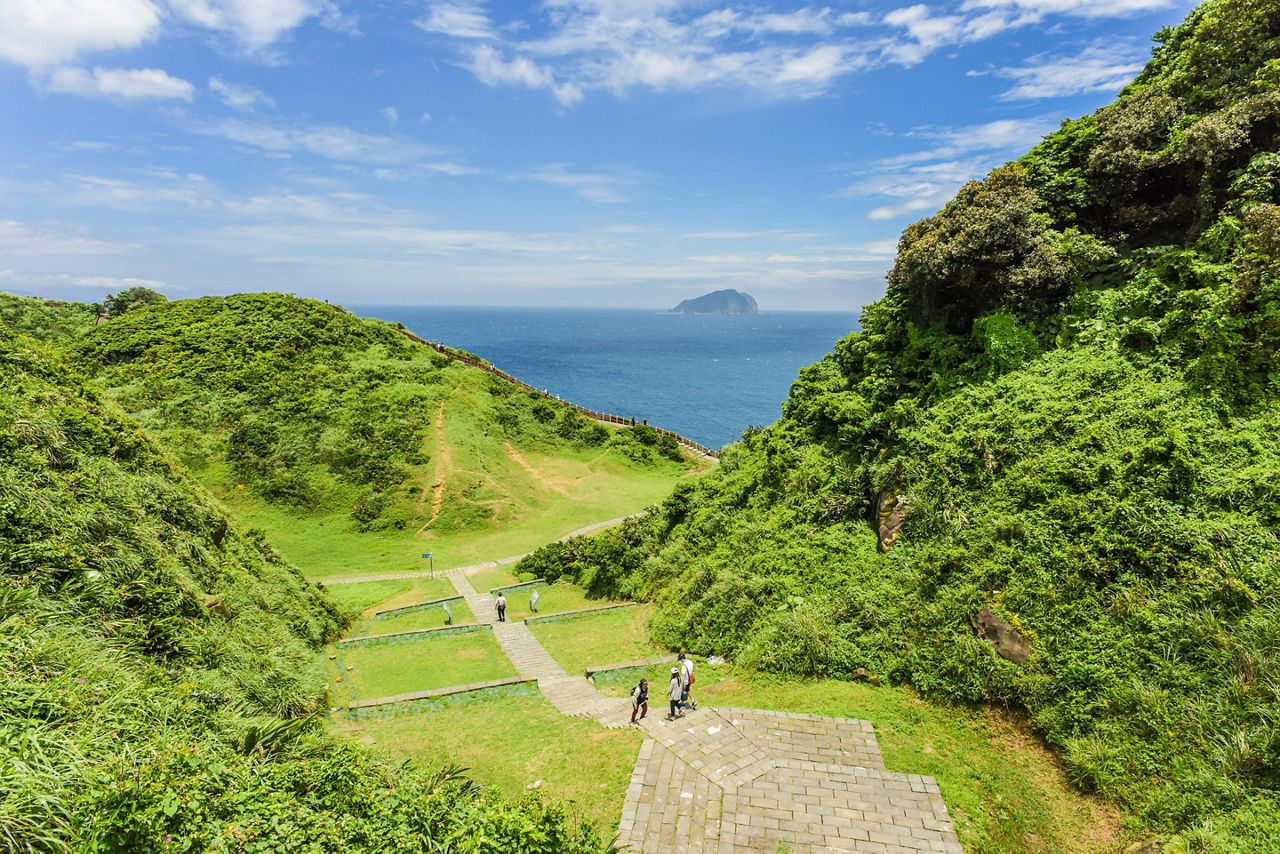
(1070, 388)
(159, 667)
(47, 320)
(307, 406)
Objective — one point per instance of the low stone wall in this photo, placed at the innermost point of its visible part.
(523, 585)
(417, 606)
(413, 635)
(580, 612)
(420, 701)
(628, 665)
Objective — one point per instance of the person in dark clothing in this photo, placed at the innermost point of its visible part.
(640, 700)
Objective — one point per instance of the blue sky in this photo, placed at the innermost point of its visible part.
(570, 152)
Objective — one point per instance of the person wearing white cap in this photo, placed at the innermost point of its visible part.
(674, 690)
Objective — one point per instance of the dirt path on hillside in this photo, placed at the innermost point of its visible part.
(533, 472)
(442, 469)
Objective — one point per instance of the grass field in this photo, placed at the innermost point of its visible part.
(512, 742)
(425, 619)
(499, 509)
(605, 638)
(488, 578)
(552, 599)
(372, 595)
(382, 670)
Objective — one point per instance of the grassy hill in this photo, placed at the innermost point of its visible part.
(1068, 400)
(160, 670)
(316, 425)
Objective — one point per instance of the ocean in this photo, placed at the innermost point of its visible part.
(707, 377)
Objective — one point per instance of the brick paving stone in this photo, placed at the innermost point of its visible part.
(813, 783)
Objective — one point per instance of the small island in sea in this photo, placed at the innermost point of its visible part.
(719, 302)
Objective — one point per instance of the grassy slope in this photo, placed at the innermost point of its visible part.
(1071, 383)
(134, 716)
(357, 449)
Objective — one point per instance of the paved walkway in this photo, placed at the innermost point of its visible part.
(739, 780)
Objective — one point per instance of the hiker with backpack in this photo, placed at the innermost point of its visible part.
(640, 700)
(686, 681)
(674, 690)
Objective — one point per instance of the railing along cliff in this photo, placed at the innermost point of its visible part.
(605, 417)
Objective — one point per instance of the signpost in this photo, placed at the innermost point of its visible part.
(427, 556)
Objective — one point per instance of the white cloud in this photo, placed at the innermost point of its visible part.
(102, 283)
(489, 67)
(574, 47)
(42, 33)
(1101, 67)
(925, 180)
(664, 45)
(56, 239)
(391, 114)
(255, 24)
(1075, 8)
(464, 20)
(239, 96)
(334, 142)
(118, 83)
(601, 187)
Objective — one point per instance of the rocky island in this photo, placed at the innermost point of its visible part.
(719, 302)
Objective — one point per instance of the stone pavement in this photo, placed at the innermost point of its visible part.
(738, 780)
(731, 780)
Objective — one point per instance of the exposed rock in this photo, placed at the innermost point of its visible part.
(891, 513)
(214, 605)
(1010, 645)
(219, 532)
(1147, 846)
(860, 673)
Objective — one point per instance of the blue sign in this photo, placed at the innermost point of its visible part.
(426, 555)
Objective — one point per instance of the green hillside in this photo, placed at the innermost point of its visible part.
(317, 425)
(160, 668)
(1068, 398)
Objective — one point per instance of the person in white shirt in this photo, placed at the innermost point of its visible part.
(502, 608)
(673, 693)
(686, 680)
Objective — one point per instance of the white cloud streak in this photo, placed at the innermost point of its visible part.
(130, 84)
(1101, 67)
(333, 142)
(575, 47)
(239, 96)
(100, 283)
(600, 187)
(254, 24)
(55, 239)
(925, 180)
(464, 20)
